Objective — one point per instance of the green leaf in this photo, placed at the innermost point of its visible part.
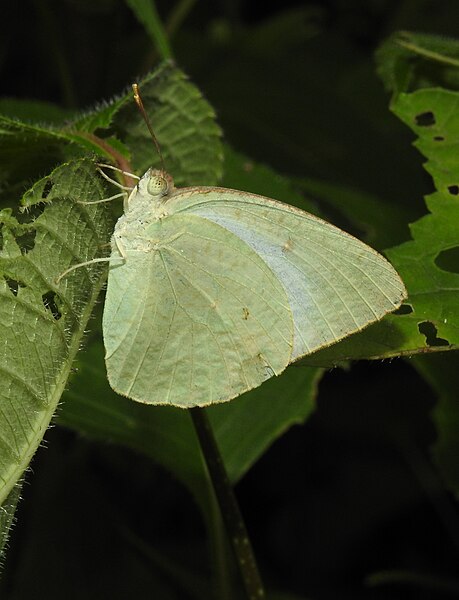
(42, 323)
(428, 264)
(245, 428)
(184, 124)
(433, 287)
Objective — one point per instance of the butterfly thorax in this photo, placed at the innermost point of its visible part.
(146, 206)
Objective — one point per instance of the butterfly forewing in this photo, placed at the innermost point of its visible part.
(335, 284)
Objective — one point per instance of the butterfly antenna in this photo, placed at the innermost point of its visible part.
(138, 101)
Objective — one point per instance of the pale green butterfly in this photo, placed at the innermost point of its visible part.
(211, 291)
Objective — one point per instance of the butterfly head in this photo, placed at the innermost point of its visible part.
(157, 184)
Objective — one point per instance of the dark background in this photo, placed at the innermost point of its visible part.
(351, 492)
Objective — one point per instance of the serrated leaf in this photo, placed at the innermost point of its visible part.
(42, 323)
(433, 290)
(66, 233)
(184, 124)
(183, 120)
(429, 322)
(100, 116)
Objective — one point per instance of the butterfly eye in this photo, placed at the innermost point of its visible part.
(157, 185)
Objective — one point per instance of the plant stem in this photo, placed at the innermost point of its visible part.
(178, 15)
(229, 507)
(226, 581)
(146, 13)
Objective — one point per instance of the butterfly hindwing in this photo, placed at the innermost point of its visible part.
(199, 318)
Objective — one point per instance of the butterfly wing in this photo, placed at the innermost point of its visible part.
(200, 318)
(335, 284)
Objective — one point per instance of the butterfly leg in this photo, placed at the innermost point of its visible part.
(113, 181)
(105, 166)
(120, 248)
(120, 195)
(85, 264)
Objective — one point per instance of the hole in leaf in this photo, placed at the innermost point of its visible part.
(405, 309)
(34, 211)
(49, 302)
(428, 329)
(14, 285)
(439, 138)
(453, 189)
(27, 241)
(47, 189)
(425, 119)
(448, 260)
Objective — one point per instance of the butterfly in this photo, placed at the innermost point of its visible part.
(211, 291)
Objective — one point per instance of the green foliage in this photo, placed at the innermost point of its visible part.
(184, 124)
(429, 264)
(341, 150)
(35, 252)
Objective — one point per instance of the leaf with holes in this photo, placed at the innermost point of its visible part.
(429, 263)
(41, 326)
